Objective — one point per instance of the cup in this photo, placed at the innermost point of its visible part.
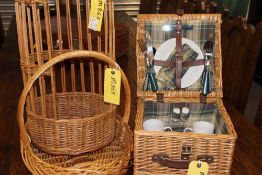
(201, 127)
(155, 125)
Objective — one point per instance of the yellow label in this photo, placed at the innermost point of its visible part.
(197, 168)
(96, 14)
(112, 84)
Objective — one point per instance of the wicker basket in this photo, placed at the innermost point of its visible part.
(69, 122)
(84, 123)
(158, 152)
(111, 159)
(43, 35)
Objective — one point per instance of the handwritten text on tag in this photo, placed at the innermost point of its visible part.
(96, 14)
(112, 85)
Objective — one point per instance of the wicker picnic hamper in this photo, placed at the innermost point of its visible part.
(112, 158)
(160, 152)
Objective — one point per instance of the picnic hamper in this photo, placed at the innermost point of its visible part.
(112, 158)
(161, 152)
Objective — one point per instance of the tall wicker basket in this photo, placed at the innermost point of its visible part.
(63, 93)
(45, 31)
(110, 159)
(159, 152)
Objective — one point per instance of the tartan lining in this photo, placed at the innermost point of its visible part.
(200, 34)
(198, 112)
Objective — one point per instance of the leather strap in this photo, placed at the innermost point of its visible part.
(190, 63)
(179, 59)
(164, 160)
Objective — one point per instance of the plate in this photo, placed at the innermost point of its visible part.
(193, 73)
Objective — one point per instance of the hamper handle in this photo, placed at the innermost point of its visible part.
(69, 55)
(164, 160)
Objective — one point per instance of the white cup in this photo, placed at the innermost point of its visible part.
(201, 127)
(155, 125)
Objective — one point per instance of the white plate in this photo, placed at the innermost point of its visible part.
(193, 73)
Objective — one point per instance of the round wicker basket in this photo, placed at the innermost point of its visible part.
(84, 123)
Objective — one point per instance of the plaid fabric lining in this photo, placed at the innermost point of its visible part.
(198, 112)
(202, 31)
(166, 75)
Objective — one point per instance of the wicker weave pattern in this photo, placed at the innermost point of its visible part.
(40, 41)
(148, 143)
(79, 115)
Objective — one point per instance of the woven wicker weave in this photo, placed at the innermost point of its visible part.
(149, 143)
(110, 159)
(84, 123)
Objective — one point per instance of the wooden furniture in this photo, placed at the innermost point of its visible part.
(258, 119)
(179, 6)
(121, 35)
(248, 150)
(241, 45)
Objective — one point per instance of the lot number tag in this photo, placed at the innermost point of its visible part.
(112, 84)
(197, 168)
(96, 14)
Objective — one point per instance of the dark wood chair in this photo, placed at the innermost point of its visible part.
(258, 119)
(241, 44)
(179, 6)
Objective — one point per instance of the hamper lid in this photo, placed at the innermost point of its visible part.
(187, 46)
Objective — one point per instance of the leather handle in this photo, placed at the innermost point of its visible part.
(164, 160)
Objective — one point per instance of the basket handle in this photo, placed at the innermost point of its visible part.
(57, 59)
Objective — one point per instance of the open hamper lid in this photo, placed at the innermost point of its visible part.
(179, 56)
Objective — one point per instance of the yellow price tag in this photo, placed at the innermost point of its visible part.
(96, 14)
(112, 85)
(198, 168)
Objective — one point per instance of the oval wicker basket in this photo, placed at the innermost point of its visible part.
(111, 159)
(84, 123)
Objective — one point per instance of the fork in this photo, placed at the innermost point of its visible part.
(206, 76)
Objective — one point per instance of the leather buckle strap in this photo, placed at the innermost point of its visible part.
(186, 63)
(179, 59)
